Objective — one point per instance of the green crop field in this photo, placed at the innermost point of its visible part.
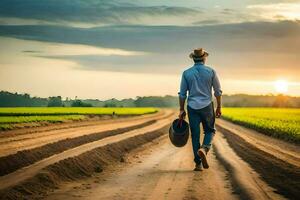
(10, 117)
(282, 123)
(48, 118)
(29, 111)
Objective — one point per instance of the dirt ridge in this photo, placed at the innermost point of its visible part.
(18, 142)
(282, 176)
(247, 183)
(27, 172)
(72, 124)
(27, 157)
(285, 151)
(78, 167)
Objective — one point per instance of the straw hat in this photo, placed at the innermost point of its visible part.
(198, 54)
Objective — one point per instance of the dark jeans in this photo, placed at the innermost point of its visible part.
(206, 116)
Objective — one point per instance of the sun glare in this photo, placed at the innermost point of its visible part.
(281, 86)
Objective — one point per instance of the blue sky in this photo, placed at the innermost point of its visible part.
(136, 48)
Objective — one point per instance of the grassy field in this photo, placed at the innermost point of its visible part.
(278, 122)
(11, 117)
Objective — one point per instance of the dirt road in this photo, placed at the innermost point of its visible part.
(162, 171)
(140, 163)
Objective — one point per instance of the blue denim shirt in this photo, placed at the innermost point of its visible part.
(199, 81)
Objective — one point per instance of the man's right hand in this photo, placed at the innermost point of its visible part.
(182, 114)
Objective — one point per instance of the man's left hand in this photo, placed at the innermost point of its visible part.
(218, 112)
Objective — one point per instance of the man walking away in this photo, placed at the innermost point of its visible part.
(199, 81)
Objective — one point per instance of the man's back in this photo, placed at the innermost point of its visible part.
(199, 80)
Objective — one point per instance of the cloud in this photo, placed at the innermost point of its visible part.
(242, 37)
(208, 22)
(283, 11)
(228, 11)
(58, 49)
(91, 12)
(247, 49)
(14, 48)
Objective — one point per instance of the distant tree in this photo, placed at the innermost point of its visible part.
(156, 101)
(79, 103)
(94, 102)
(281, 101)
(110, 104)
(55, 102)
(8, 99)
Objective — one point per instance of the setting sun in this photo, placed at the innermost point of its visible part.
(281, 86)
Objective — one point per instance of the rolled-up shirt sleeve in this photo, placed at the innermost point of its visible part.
(216, 85)
(183, 87)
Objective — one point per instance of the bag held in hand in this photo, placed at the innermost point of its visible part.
(179, 132)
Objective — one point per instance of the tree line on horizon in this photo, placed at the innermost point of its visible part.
(8, 99)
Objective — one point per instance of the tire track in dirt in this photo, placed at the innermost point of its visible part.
(245, 180)
(24, 158)
(92, 122)
(13, 144)
(213, 183)
(282, 176)
(25, 173)
(159, 172)
(78, 167)
(287, 152)
(166, 173)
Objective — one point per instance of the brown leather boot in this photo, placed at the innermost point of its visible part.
(202, 153)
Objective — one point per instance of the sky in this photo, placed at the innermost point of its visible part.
(128, 48)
